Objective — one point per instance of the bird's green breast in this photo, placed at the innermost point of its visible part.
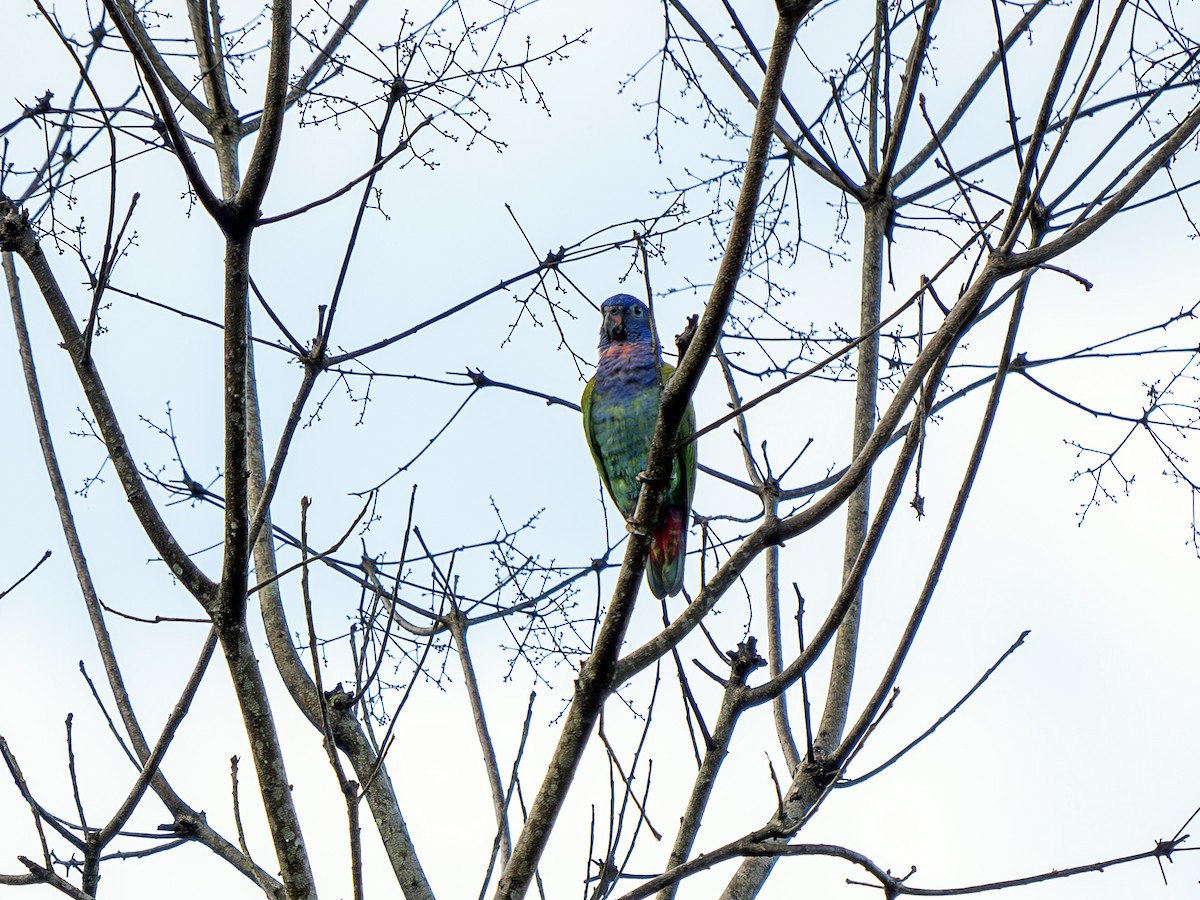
(621, 429)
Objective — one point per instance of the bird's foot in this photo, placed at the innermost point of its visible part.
(633, 529)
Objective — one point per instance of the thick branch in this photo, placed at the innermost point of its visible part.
(266, 146)
(706, 778)
(123, 12)
(187, 819)
(841, 675)
(348, 732)
(596, 680)
(16, 235)
(1089, 226)
(138, 43)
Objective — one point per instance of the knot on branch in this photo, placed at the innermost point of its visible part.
(893, 885)
(683, 340)
(185, 826)
(14, 226)
(194, 488)
(339, 698)
(554, 257)
(745, 659)
(477, 378)
(794, 9)
(40, 105)
(399, 89)
(1039, 217)
(1164, 849)
(371, 570)
(822, 769)
(315, 358)
(160, 128)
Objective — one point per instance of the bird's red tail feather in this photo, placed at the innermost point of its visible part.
(664, 567)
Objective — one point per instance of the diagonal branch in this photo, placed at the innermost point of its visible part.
(16, 234)
(266, 146)
(137, 41)
(123, 11)
(1078, 233)
(596, 680)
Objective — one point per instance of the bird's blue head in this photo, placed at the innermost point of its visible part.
(626, 320)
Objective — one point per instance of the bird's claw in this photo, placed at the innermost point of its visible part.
(632, 528)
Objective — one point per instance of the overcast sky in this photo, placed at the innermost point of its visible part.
(1081, 747)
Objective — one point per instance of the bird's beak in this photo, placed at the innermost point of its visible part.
(614, 325)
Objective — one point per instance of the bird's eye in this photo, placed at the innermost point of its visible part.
(637, 311)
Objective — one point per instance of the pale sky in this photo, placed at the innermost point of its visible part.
(1081, 747)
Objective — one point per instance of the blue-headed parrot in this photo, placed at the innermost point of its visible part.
(620, 408)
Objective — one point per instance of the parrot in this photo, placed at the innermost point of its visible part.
(620, 408)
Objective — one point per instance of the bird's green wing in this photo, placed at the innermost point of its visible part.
(585, 405)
